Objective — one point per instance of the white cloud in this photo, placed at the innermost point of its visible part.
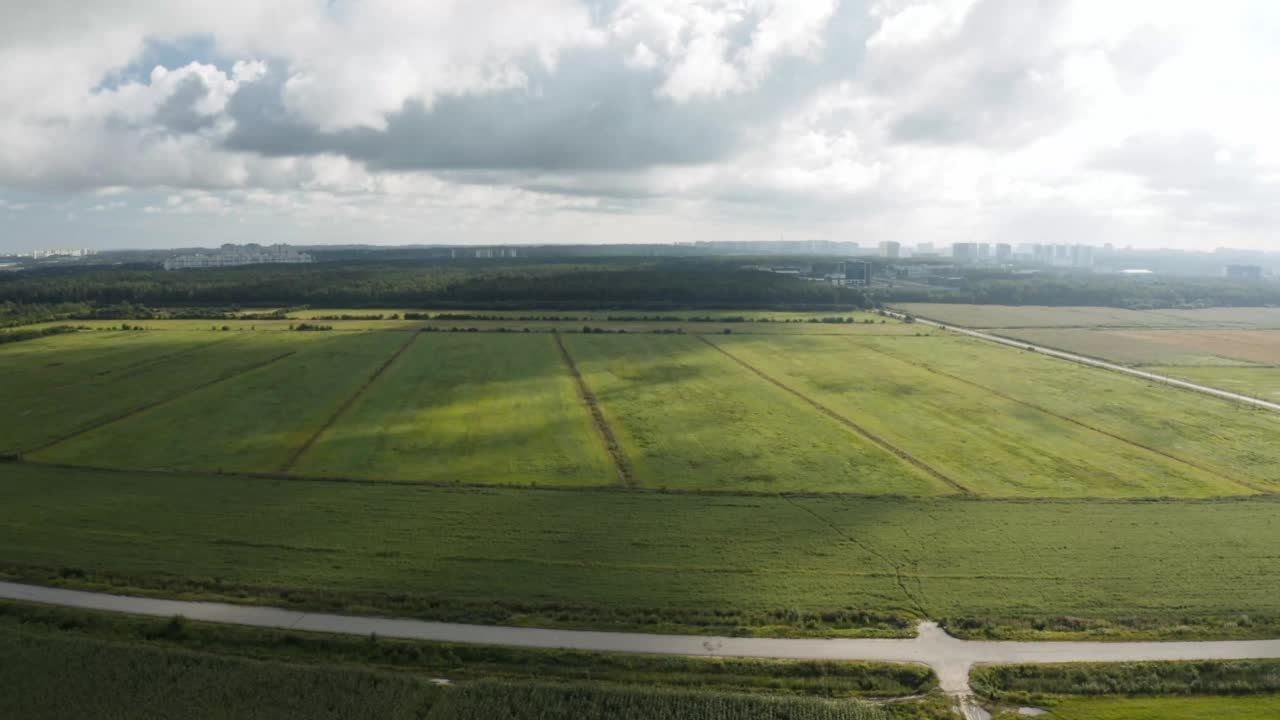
(1151, 119)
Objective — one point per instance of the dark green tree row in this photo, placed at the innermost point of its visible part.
(664, 284)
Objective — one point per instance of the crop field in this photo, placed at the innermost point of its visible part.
(844, 480)
(654, 561)
(255, 423)
(690, 418)
(982, 442)
(480, 408)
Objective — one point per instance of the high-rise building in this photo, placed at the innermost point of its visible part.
(890, 249)
(1243, 272)
(1004, 251)
(965, 252)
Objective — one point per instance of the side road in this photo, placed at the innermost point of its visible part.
(949, 657)
(1084, 360)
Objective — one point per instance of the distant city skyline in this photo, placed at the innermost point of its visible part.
(165, 124)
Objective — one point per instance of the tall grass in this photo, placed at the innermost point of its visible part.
(45, 677)
(581, 701)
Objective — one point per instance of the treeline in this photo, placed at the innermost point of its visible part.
(1025, 683)
(14, 336)
(1097, 290)
(658, 285)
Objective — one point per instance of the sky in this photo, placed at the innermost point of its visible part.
(175, 123)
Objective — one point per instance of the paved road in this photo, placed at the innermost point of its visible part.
(1021, 344)
(949, 657)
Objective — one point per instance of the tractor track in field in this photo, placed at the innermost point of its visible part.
(860, 430)
(1071, 420)
(133, 368)
(103, 422)
(897, 568)
(346, 404)
(611, 446)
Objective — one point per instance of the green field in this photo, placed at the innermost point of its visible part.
(1259, 382)
(53, 389)
(989, 443)
(480, 408)
(254, 423)
(653, 561)
(55, 677)
(1264, 707)
(688, 417)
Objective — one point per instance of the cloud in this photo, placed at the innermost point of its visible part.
(899, 119)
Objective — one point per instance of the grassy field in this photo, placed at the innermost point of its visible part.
(1264, 707)
(1192, 430)
(652, 561)
(1035, 316)
(586, 701)
(481, 408)
(1162, 347)
(986, 443)
(688, 417)
(253, 422)
(55, 388)
(57, 677)
(1259, 382)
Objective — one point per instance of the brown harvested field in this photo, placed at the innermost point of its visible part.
(1036, 316)
(1163, 347)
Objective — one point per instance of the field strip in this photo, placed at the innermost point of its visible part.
(346, 404)
(1073, 421)
(1095, 362)
(133, 368)
(96, 424)
(949, 657)
(865, 433)
(897, 568)
(611, 446)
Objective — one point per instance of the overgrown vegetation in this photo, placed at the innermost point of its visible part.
(591, 701)
(13, 336)
(53, 677)
(1034, 683)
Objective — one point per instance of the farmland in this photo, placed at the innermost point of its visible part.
(684, 562)
(480, 408)
(782, 478)
(1236, 349)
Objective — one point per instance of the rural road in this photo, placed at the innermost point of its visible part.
(1085, 360)
(949, 657)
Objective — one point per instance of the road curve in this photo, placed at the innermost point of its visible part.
(1085, 360)
(949, 657)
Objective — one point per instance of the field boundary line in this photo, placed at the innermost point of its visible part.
(103, 422)
(620, 462)
(346, 404)
(860, 430)
(1071, 420)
